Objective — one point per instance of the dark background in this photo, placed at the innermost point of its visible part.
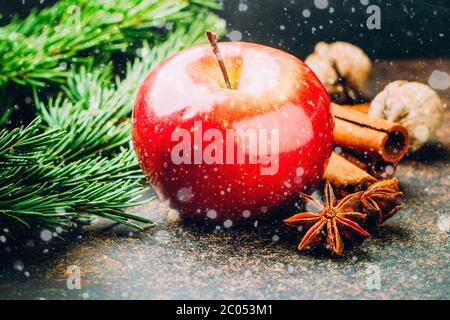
(411, 28)
(411, 249)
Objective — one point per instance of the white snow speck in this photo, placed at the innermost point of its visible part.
(212, 214)
(443, 223)
(306, 13)
(299, 171)
(321, 4)
(389, 170)
(246, 213)
(227, 223)
(243, 7)
(421, 132)
(185, 194)
(18, 265)
(439, 80)
(46, 235)
(235, 35)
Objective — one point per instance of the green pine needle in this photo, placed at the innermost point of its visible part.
(74, 162)
(36, 50)
(36, 191)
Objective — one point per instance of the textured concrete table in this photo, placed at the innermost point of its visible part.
(176, 259)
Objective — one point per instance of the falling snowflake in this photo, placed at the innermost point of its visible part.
(227, 223)
(235, 35)
(243, 7)
(185, 194)
(321, 4)
(439, 80)
(389, 170)
(46, 235)
(18, 265)
(211, 214)
(443, 223)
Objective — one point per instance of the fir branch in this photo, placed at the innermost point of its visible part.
(32, 51)
(5, 113)
(81, 165)
(39, 192)
(24, 145)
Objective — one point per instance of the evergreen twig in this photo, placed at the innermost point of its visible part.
(35, 50)
(75, 162)
(37, 192)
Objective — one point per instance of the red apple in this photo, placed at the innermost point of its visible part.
(239, 153)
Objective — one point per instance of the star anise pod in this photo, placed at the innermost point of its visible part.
(381, 200)
(337, 221)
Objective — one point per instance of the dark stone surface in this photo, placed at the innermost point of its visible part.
(177, 259)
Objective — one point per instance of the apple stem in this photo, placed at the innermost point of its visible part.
(212, 38)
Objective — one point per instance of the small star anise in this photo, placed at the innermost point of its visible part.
(381, 200)
(336, 220)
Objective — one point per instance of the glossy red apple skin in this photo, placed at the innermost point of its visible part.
(273, 90)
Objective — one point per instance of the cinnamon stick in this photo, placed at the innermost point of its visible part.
(362, 107)
(345, 176)
(359, 132)
(375, 166)
(354, 159)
